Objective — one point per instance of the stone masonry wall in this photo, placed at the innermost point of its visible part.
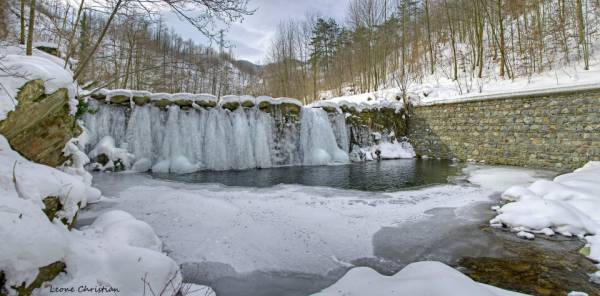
(559, 130)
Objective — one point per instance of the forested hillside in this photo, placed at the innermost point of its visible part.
(470, 43)
(138, 50)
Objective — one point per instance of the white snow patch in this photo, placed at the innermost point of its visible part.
(427, 278)
(568, 205)
(107, 147)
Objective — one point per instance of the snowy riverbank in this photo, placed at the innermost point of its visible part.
(220, 232)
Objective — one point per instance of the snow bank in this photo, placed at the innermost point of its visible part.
(29, 239)
(387, 150)
(426, 278)
(115, 251)
(121, 252)
(199, 290)
(395, 150)
(501, 178)
(568, 205)
(16, 69)
(115, 156)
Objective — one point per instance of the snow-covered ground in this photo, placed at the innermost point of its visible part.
(427, 278)
(291, 228)
(437, 88)
(569, 205)
(116, 251)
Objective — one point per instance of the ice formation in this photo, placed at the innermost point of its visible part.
(185, 140)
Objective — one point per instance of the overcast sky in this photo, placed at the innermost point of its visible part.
(252, 38)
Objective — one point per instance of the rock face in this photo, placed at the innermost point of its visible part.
(365, 124)
(41, 125)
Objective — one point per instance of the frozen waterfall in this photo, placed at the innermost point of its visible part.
(186, 140)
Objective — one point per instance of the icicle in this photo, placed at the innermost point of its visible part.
(182, 141)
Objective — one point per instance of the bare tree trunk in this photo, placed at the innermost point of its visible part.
(581, 31)
(70, 47)
(22, 17)
(29, 50)
(430, 45)
(501, 33)
(88, 58)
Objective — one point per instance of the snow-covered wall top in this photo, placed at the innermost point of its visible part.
(128, 97)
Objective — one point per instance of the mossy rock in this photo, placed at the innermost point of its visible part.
(162, 103)
(231, 106)
(347, 109)
(49, 50)
(264, 106)
(206, 104)
(141, 101)
(290, 108)
(102, 159)
(248, 104)
(381, 120)
(52, 206)
(45, 274)
(329, 109)
(98, 96)
(184, 103)
(123, 100)
(41, 125)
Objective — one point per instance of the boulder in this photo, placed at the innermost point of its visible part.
(41, 124)
(231, 106)
(141, 101)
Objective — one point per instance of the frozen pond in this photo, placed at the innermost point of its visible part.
(259, 238)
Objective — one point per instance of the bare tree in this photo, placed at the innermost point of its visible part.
(31, 28)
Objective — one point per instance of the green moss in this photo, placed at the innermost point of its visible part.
(183, 103)
(123, 100)
(206, 104)
(162, 103)
(290, 108)
(97, 96)
(347, 109)
(45, 274)
(248, 104)
(329, 109)
(231, 106)
(264, 106)
(41, 125)
(140, 101)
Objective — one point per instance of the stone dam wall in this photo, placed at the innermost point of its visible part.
(552, 129)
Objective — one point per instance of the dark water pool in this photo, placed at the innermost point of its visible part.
(388, 175)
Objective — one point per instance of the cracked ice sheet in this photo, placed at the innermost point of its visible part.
(285, 227)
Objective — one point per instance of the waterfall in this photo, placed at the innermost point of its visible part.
(180, 140)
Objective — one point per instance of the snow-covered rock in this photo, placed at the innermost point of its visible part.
(428, 278)
(17, 69)
(109, 157)
(568, 205)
